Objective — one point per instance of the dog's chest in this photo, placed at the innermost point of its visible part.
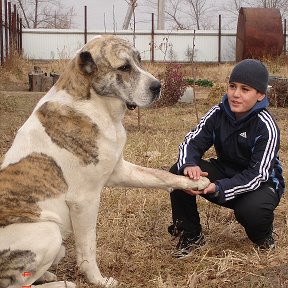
(111, 142)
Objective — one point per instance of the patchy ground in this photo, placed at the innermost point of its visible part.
(15, 107)
(133, 243)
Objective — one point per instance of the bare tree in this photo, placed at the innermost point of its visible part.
(282, 5)
(61, 19)
(186, 14)
(174, 15)
(196, 9)
(201, 14)
(132, 4)
(269, 3)
(230, 10)
(45, 14)
(232, 7)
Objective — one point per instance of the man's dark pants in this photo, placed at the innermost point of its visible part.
(253, 210)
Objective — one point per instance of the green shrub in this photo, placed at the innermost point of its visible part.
(199, 82)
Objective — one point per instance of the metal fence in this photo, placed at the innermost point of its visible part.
(159, 45)
(10, 30)
(209, 46)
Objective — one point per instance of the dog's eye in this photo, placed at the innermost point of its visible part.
(125, 68)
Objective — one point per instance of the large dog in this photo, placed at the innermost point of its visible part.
(66, 152)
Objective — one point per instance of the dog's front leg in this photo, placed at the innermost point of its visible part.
(127, 174)
(83, 215)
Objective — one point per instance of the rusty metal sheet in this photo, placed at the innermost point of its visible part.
(259, 33)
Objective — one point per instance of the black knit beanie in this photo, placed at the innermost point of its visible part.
(252, 73)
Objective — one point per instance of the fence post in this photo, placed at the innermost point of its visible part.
(85, 24)
(9, 27)
(152, 39)
(18, 33)
(219, 40)
(10, 31)
(284, 44)
(1, 35)
(13, 28)
(6, 29)
(20, 37)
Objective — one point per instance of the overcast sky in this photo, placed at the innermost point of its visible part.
(96, 9)
(101, 11)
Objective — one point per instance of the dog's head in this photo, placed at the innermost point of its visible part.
(112, 67)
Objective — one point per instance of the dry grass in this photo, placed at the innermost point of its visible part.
(133, 243)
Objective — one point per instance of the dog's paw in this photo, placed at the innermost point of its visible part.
(110, 282)
(46, 277)
(200, 184)
(203, 182)
(107, 282)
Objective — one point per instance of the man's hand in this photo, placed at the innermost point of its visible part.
(211, 188)
(194, 172)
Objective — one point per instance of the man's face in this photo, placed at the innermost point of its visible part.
(242, 98)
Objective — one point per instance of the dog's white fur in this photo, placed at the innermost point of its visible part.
(66, 152)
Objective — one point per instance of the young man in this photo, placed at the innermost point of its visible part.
(247, 174)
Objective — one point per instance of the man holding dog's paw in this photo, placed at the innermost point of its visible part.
(247, 174)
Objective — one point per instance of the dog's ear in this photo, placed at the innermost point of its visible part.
(86, 63)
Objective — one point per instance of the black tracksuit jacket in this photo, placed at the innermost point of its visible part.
(247, 148)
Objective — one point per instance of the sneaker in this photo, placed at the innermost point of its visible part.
(174, 230)
(268, 243)
(186, 244)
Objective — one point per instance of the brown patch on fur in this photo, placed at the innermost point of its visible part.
(34, 178)
(14, 262)
(75, 80)
(108, 50)
(70, 130)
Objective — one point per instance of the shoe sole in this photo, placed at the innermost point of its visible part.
(179, 256)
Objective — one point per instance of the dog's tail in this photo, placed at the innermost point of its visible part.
(15, 266)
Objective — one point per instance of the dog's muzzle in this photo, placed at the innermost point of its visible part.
(155, 88)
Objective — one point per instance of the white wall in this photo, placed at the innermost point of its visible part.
(48, 44)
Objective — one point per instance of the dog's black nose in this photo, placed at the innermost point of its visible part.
(155, 87)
